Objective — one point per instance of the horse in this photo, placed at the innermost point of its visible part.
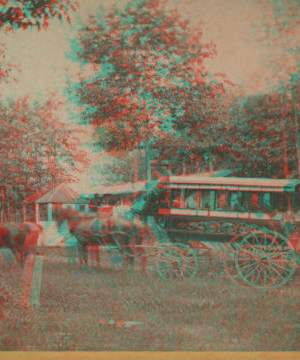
(19, 238)
(108, 230)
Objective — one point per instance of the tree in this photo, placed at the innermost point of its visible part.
(23, 14)
(261, 134)
(118, 169)
(145, 59)
(36, 149)
(278, 34)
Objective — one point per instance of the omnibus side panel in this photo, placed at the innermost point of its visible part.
(212, 228)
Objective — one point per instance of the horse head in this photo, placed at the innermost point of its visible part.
(61, 214)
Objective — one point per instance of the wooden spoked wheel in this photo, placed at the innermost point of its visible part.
(171, 262)
(259, 260)
(191, 260)
(204, 257)
(152, 261)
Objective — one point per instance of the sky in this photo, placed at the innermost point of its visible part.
(42, 61)
(41, 58)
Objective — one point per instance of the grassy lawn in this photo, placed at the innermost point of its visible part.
(83, 309)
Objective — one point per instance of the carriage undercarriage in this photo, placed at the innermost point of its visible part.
(255, 259)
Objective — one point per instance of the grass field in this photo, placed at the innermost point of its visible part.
(87, 309)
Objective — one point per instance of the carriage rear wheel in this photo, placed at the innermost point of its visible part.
(259, 260)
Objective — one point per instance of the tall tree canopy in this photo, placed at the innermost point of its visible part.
(148, 71)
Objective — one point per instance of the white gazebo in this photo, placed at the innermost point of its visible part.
(38, 208)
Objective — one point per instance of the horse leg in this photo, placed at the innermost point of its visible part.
(97, 256)
(80, 253)
(23, 258)
(18, 256)
(85, 255)
(128, 254)
(142, 255)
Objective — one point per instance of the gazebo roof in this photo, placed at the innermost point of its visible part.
(60, 193)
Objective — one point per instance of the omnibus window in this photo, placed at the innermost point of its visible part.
(205, 199)
(192, 199)
(280, 202)
(222, 200)
(175, 198)
(253, 202)
(259, 202)
(295, 201)
(238, 201)
(266, 202)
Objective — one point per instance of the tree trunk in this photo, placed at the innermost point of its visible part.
(286, 169)
(182, 192)
(8, 212)
(170, 169)
(197, 167)
(297, 137)
(135, 169)
(148, 165)
(210, 163)
(135, 166)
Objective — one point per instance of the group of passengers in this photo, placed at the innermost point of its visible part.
(229, 202)
(253, 204)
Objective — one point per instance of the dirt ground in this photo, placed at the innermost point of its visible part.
(102, 309)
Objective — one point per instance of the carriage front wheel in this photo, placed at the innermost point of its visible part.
(259, 260)
(171, 262)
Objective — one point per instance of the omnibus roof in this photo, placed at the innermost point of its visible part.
(232, 183)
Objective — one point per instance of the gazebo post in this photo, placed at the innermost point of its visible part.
(36, 212)
(49, 212)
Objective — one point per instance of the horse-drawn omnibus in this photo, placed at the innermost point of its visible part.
(256, 220)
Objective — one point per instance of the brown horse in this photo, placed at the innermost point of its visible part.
(110, 230)
(19, 238)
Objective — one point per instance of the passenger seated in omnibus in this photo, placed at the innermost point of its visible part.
(253, 205)
(205, 199)
(235, 202)
(223, 201)
(266, 203)
(176, 202)
(191, 201)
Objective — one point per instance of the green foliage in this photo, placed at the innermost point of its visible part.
(23, 14)
(148, 66)
(35, 149)
(118, 169)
